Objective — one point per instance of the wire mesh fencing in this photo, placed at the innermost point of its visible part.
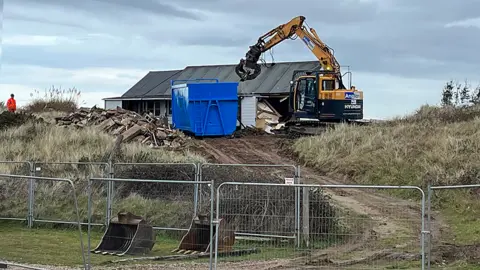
(453, 223)
(157, 223)
(49, 209)
(335, 233)
(21, 245)
(170, 171)
(15, 197)
(250, 173)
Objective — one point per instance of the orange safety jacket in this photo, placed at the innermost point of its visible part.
(11, 105)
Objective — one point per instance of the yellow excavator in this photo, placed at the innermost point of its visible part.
(317, 97)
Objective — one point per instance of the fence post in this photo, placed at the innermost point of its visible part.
(297, 205)
(306, 217)
(111, 174)
(212, 223)
(195, 191)
(200, 178)
(31, 192)
(89, 216)
(217, 217)
(429, 220)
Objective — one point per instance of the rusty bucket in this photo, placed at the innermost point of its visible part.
(197, 239)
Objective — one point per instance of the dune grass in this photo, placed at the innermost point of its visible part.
(46, 144)
(436, 146)
(54, 99)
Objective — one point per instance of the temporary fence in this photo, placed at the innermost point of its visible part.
(451, 238)
(243, 192)
(332, 237)
(44, 208)
(9, 183)
(25, 213)
(132, 232)
(169, 171)
(254, 173)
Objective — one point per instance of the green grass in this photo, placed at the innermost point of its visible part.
(60, 246)
(460, 214)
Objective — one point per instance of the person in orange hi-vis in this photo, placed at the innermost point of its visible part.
(11, 104)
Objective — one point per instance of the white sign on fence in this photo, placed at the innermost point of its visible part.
(289, 181)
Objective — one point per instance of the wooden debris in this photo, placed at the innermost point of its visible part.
(131, 125)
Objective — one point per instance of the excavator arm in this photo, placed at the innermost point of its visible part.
(248, 69)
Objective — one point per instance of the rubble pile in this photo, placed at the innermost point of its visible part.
(145, 129)
(267, 117)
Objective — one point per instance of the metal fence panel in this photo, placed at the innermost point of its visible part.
(332, 236)
(167, 212)
(454, 241)
(15, 201)
(251, 173)
(26, 246)
(170, 171)
(48, 211)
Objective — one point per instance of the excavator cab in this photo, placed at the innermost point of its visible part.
(317, 95)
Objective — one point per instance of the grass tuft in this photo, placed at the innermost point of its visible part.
(54, 99)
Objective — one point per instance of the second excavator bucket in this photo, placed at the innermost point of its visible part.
(127, 234)
(197, 239)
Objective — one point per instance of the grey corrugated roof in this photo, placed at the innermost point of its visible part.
(151, 81)
(272, 80)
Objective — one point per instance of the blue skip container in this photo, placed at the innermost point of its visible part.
(204, 108)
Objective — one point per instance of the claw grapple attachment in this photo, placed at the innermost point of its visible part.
(127, 234)
(248, 69)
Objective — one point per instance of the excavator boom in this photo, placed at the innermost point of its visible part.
(248, 69)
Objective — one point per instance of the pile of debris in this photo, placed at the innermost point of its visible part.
(145, 129)
(267, 117)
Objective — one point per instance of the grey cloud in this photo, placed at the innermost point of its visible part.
(280, 11)
(103, 8)
(407, 29)
(440, 11)
(368, 36)
(212, 40)
(41, 56)
(51, 21)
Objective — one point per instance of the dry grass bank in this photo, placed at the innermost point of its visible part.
(437, 146)
(45, 142)
(434, 145)
(49, 143)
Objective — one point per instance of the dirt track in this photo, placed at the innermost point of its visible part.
(394, 223)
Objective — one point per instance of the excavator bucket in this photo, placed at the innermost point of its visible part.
(127, 234)
(197, 239)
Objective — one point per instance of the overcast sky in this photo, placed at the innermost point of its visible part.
(401, 52)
